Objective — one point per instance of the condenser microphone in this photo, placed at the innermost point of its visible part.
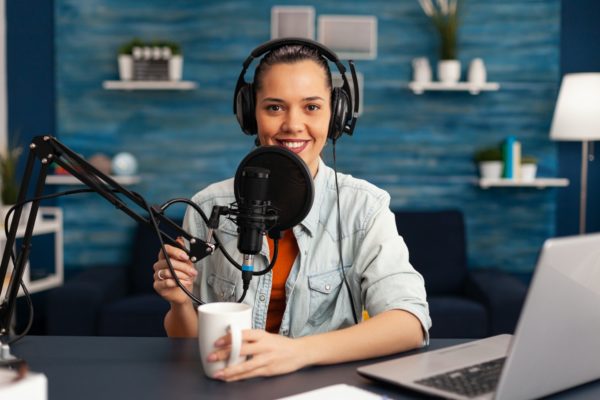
(274, 191)
(255, 214)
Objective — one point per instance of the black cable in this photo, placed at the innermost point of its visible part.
(30, 321)
(339, 228)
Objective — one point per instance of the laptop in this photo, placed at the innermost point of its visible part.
(555, 345)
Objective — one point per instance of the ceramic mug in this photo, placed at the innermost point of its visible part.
(216, 320)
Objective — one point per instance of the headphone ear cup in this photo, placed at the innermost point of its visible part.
(245, 109)
(340, 104)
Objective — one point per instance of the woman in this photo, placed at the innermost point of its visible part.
(303, 314)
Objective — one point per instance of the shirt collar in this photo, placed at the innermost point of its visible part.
(311, 221)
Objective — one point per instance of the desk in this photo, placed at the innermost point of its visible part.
(161, 368)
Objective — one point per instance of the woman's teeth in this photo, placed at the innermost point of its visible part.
(293, 145)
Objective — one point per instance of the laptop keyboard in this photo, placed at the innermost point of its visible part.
(471, 381)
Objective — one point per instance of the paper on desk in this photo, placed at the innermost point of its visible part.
(34, 386)
(336, 392)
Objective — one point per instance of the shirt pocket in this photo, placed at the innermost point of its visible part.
(223, 289)
(324, 290)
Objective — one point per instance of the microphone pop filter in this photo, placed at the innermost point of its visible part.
(290, 185)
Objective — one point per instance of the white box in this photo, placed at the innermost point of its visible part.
(352, 37)
(293, 21)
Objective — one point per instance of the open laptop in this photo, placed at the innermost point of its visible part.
(555, 345)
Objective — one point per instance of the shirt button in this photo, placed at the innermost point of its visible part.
(284, 332)
(262, 297)
(328, 287)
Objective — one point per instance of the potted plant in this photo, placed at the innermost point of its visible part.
(490, 162)
(125, 59)
(528, 168)
(9, 193)
(444, 16)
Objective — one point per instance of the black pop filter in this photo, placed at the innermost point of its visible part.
(290, 187)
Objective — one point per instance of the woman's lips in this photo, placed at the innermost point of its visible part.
(294, 145)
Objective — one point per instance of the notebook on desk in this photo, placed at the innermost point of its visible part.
(555, 345)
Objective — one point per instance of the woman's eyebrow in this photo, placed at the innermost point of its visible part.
(272, 99)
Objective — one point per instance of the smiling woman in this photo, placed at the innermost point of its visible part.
(329, 268)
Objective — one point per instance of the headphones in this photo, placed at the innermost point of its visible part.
(344, 111)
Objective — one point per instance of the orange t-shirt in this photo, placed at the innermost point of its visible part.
(288, 250)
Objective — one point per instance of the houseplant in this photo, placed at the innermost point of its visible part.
(490, 162)
(528, 168)
(444, 16)
(9, 193)
(137, 50)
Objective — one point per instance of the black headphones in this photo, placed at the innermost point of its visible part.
(344, 112)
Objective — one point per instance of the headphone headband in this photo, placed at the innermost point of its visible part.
(323, 51)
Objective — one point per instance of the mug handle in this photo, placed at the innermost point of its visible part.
(236, 345)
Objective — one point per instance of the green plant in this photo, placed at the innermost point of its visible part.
(444, 15)
(127, 48)
(528, 160)
(488, 154)
(8, 174)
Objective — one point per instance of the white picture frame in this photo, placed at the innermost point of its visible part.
(352, 37)
(337, 81)
(293, 21)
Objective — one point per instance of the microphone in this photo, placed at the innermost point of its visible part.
(274, 191)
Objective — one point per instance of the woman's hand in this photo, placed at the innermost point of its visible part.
(164, 283)
(271, 354)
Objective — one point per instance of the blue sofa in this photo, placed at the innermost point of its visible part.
(464, 303)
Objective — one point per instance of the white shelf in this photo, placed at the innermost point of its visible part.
(49, 220)
(71, 180)
(539, 183)
(473, 88)
(149, 85)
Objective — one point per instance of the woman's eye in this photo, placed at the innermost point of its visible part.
(313, 107)
(274, 107)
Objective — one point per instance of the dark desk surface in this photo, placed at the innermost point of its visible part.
(161, 368)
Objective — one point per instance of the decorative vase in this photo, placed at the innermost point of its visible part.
(421, 70)
(448, 71)
(125, 67)
(491, 169)
(175, 68)
(528, 172)
(477, 74)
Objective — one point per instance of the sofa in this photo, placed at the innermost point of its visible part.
(464, 303)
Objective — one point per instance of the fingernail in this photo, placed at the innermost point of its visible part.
(183, 257)
(218, 375)
(212, 357)
(219, 343)
(193, 271)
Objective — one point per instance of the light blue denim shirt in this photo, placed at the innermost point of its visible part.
(375, 260)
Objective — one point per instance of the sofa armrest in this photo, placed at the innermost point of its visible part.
(502, 294)
(73, 309)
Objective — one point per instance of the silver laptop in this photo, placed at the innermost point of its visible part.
(556, 344)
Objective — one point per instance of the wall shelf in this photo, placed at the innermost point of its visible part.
(49, 221)
(473, 88)
(149, 85)
(71, 180)
(539, 183)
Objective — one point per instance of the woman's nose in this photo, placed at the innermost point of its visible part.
(293, 121)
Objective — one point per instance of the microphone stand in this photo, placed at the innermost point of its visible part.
(47, 150)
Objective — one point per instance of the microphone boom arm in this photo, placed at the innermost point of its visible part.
(47, 150)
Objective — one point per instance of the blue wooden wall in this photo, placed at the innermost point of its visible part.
(419, 148)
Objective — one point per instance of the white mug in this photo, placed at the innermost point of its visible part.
(216, 320)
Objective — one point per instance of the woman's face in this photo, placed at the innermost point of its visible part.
(293, 108)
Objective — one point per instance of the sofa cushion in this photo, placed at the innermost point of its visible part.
(457, 317)
(137, 315)
(437, 247)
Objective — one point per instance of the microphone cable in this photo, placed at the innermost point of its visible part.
(339, 229)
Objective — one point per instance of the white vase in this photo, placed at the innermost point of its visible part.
(421, 70)
(175, 68)
(448, 71)
(477, 74)
(491, 169)
(125, 67)
(528, 172)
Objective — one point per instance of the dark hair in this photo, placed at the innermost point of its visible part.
(290, 54)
